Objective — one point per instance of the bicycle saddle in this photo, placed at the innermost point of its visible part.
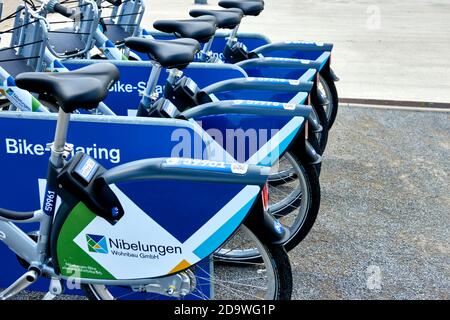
(83, 88)
(201, 29)
(250, 8)
(177, 53)
(226, 19)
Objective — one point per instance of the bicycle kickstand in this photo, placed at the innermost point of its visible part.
(54, 290)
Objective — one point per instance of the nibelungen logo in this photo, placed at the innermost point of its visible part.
(97, 243)
(121, 247)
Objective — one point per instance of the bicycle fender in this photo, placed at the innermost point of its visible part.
(295, 45)
(247, 107)
(255, 83)
(304, 151)
(265, 226)
(333, 75)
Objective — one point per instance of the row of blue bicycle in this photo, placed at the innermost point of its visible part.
(194, 157)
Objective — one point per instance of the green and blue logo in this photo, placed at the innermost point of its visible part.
(97, 243)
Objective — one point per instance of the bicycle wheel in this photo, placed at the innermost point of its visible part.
(328, 89)
(271, 279)
(295, 204)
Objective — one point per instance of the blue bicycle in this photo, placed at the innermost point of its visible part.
(121, 247)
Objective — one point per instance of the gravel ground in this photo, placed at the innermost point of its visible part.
(383, 228)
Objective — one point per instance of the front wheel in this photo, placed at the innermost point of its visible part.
(223, 278)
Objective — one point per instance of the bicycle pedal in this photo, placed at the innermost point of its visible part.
(26, 280)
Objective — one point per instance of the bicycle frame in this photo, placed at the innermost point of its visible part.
(306, 54)
(18, 241)
(131, 13)
(20, 99)
(37, 34)
(129, 16)
(36, 254)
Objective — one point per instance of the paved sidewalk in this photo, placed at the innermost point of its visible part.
(385, 49)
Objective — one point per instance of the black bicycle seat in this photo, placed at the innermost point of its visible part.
(177, 53)
(84, 88)
(250, 8)
(201, 29)
(226, 19)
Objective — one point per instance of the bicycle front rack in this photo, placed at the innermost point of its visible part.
(77, 39)
(124, 20)
(27, 45)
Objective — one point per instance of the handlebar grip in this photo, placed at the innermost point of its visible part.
(67, 12)
(115, 2)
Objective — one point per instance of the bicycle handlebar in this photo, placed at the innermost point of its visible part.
(67, 12)
(115, 2)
